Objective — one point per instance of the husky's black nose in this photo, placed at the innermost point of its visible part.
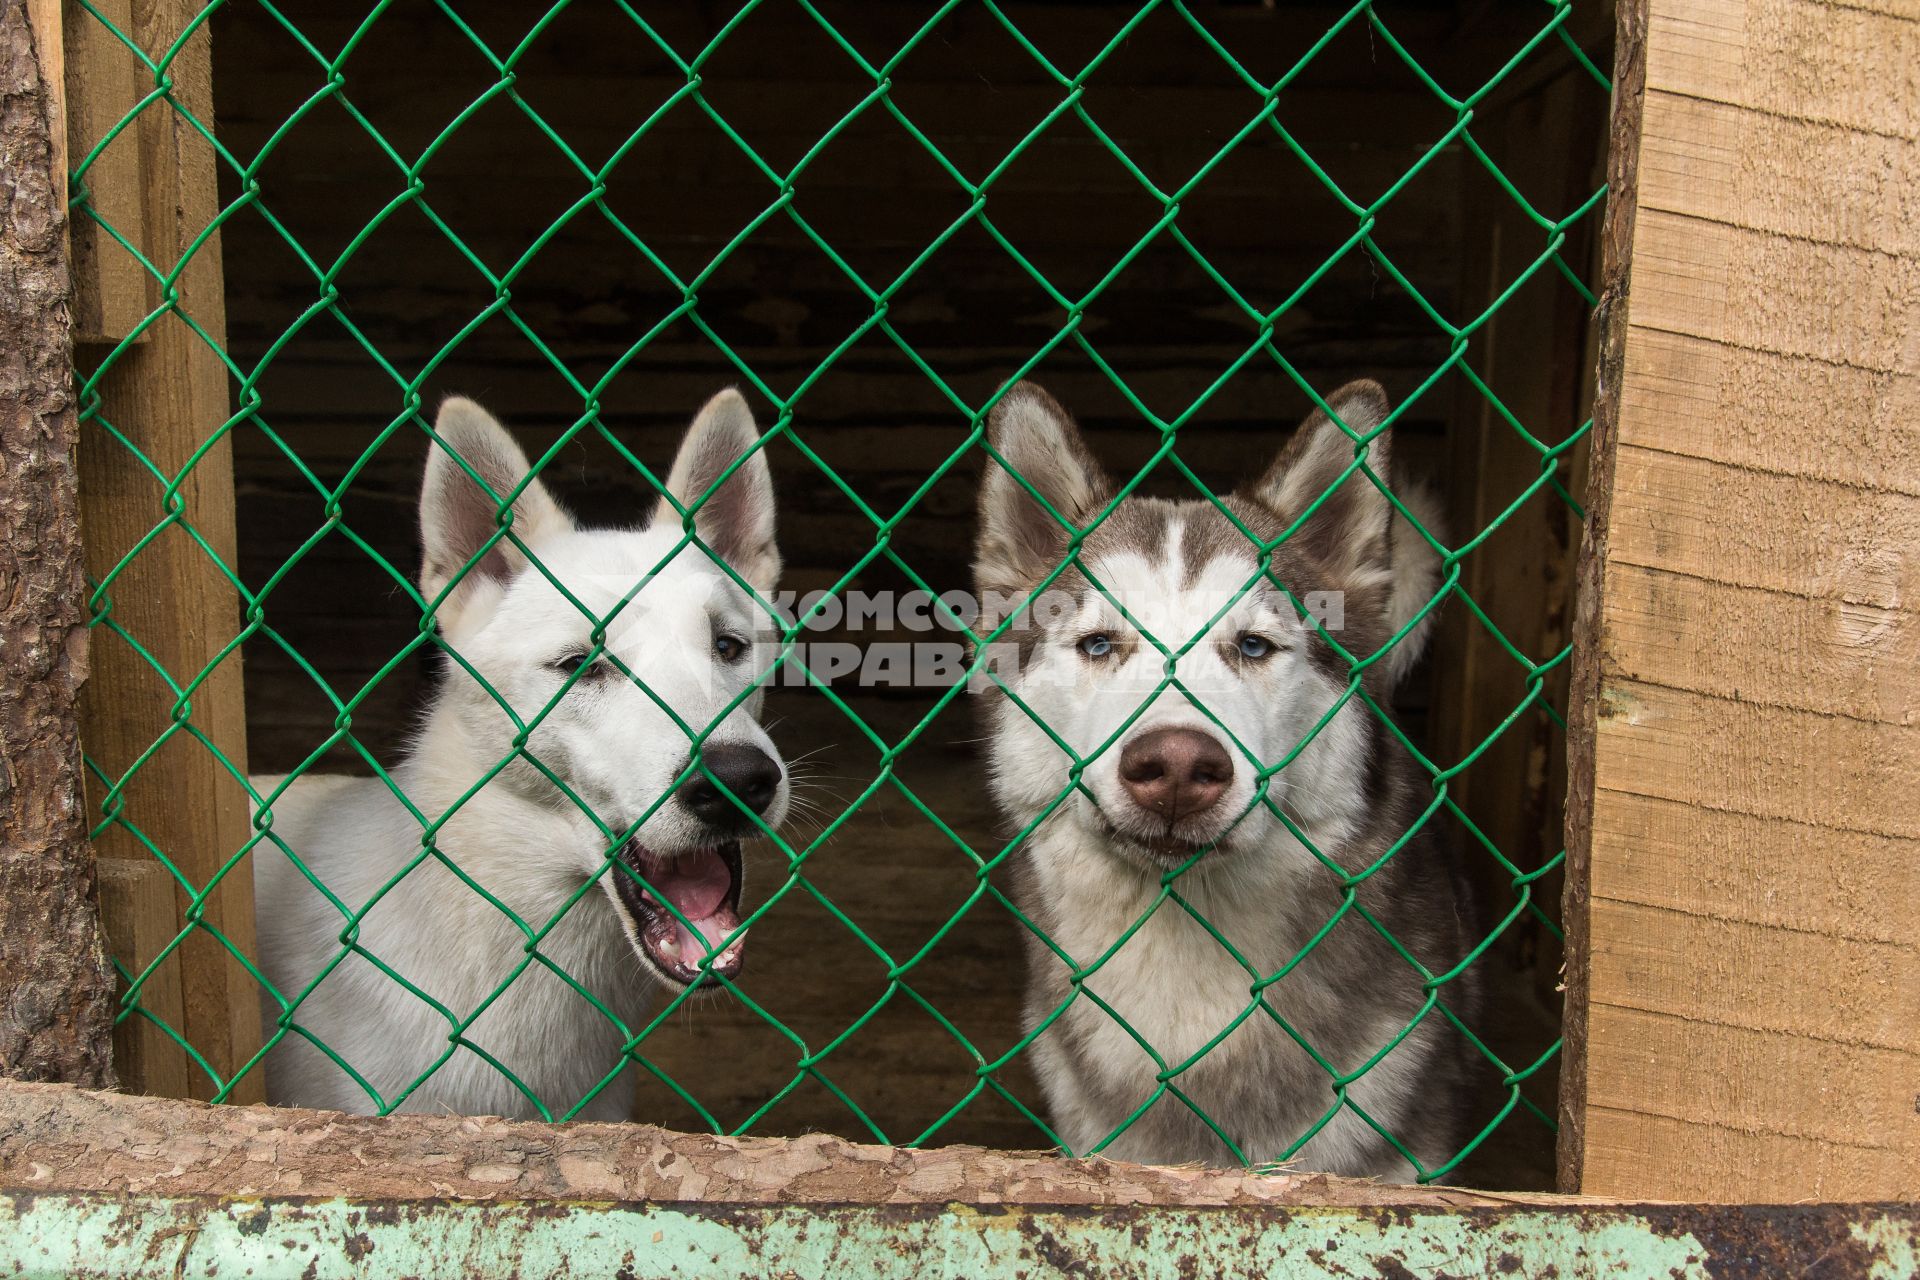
(747, 771)
(1175, 773)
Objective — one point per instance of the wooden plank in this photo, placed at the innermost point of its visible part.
(137, 913)
(112, 291)
(1862, 1090)
(169, 396)
(1728, 866)
(1753, 289)
(61, 1139)
(1820, 60)
(56, 1014)
(1865, 656)
(1746, 1022)
(1695, 154)
(1764, 529)
(1772, 762)
(1590, 569)
(1723, 403)
(1721, 973)
(1770, 1168)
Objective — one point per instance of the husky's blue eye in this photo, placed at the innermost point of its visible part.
(729, 647)
(1253, 646)
(567, 664)
(1097, 645)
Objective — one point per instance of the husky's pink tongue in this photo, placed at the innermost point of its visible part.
(695, 883)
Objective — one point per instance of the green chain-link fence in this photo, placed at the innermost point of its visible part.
(333, 87)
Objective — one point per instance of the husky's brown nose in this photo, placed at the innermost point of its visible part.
(1175, 773)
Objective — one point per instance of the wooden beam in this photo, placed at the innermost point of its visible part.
(56, 1014)
(1530, 354)
(112, 292)
(56, 1138)
(1744, 1013)
(1839, 61)
(168, 398)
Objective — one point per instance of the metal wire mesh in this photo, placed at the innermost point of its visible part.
(1263, 97)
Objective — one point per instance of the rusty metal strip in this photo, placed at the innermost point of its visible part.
(85, 1235)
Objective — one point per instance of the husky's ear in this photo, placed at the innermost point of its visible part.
(457, 516)
(1019, 541)
(1349, 532)
(736, 522)
(1416, 576)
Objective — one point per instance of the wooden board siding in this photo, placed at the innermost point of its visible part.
(168, 396)
(1750, 687)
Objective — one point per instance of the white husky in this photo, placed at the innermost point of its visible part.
(697, 642)
(1193, 774)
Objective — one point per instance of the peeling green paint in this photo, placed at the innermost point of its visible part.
(87, 1235)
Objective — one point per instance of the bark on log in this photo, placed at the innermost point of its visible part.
(54, 1138)
(1623, 160)
(56, 988)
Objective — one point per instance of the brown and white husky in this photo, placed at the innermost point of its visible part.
(1183, 1017)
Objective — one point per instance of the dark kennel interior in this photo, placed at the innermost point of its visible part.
(782, 307)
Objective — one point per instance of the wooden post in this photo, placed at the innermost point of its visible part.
(1744, 824)
(112, 292)
(1531, 353)
(168, 395)
(56, 988)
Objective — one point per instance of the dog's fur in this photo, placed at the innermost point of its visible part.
(1096, 864)
(519, 837)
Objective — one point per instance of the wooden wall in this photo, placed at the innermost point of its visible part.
(157, 407)
(970, 311)
(1746, 825)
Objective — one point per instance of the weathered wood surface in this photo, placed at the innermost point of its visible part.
(169, 396)
(54, 1138)
(56, 989)
(1747, 1025)
(50, 55)
(112, 293)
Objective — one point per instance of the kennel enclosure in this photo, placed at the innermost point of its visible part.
(435, 277)
(1702, 751)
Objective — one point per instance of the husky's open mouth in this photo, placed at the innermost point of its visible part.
(704, 886)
